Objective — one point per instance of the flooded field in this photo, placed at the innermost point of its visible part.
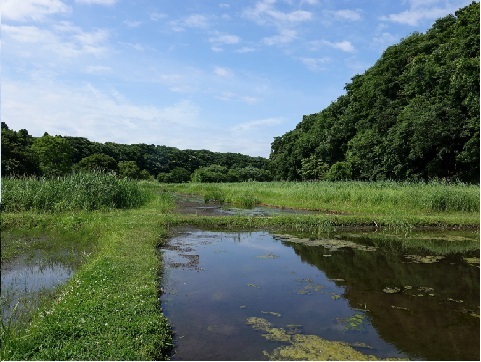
(39, 265)
(259, 296)
(195, 205)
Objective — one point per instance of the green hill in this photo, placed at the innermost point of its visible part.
(414, 115)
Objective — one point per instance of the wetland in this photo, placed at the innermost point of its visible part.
(255, 295)
(249, 271)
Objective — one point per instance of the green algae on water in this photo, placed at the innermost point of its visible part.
(305, 347)
(331, 244)
(424, 259)
(355, 322)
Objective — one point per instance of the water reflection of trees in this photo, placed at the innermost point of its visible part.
(440, 326)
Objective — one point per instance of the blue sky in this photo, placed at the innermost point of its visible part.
(221, 75)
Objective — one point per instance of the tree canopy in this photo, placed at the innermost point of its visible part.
(51, 156)
(414, 115)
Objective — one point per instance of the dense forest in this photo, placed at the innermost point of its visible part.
(51, 156)
(414, 115)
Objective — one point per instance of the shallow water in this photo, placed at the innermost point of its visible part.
(195, 205)
(380, 299)
(40, 264)
(23, 282)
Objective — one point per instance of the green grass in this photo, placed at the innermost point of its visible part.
(109, 310)
(81, 191)
(431, 204)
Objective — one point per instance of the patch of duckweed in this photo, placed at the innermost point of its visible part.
(470, 312)
(268, 256)
(253, 285)
(396, 307)
(335, 296)
(456, 300)
(275, 314)
(472, 261)
(310, 287)
(306, 347)
(356, 322)
(389, 290)
(331, 244)
(424, 259)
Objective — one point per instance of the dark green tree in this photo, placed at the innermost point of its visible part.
(54, 154)
(98, 162)
(18, 159)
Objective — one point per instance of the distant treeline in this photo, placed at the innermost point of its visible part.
(53, 156)
(414, 115)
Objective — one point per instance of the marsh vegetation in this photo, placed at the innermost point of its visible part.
(107, 306)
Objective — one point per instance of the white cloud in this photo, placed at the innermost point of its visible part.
(420, 10)
(384, 40)
(36, 10)
(97, 2)
(98, 69)
(315, 64)
(156, 16)
(344, 45)
(256, 124)
(87, 111)
(245, 50)
(264, 12)
(64, 40)
(191, 21)
(132, 23)
(284, 37)
(223, 72)
(345, 15)
(225, 39)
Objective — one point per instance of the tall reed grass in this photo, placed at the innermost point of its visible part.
(81, 191)
(350, 196)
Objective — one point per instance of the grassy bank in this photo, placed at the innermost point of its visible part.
(109, 310)
(388, 203)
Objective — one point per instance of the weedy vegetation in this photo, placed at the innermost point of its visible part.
(109, 309)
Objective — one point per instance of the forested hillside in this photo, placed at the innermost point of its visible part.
(25, 155)
(414, 115)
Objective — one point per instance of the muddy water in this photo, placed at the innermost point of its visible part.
(259, 296)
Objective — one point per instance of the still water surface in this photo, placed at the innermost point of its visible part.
(380, 299)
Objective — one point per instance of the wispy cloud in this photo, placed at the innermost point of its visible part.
(28, 10)
(285, 36)
(98, 69)
(65, 40)
(223, 72)
(256, 124)
(422, 10)
(156, 16)
(191, 21)
(224, 38)
(97, 2)
(350, 15)
(264, 12)
(245, 50)
(132, 23)
(315, 64)
(97, 114)
(345, 45)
